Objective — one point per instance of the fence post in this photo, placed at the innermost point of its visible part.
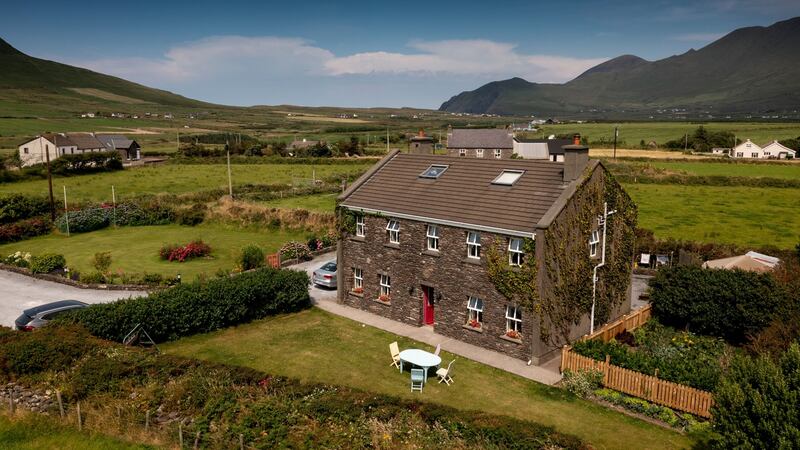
(605, 369)
(80, 423)
(197, 440)
(180, 435)
(563, 358)
(60, 404)
(147, 420)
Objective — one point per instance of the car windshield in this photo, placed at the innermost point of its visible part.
(330, 267)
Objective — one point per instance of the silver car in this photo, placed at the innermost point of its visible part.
(325, 276)
(39, 316)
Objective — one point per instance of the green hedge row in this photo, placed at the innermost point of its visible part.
(14, 207)
(145, 212)
(199, 307)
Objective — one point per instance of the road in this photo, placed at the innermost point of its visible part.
(20, 292)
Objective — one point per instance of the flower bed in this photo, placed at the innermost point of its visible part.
(181, 253)
(383, 298)
(654, 349)
(674, 419)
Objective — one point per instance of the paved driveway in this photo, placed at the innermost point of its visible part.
(20, 292)
(317, 293)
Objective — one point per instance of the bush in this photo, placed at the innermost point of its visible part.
(252, 257)
(148, 212)
(295, 250)
(15, 207)
(86, 163)
(730, 304)
(31, 353)
(191, 216)
(102, 261)
(92, 278)
(181, 253)
(755, 405)
(18, 259)
(583, 382)
(24, 229)
(83, 220)
(47, 263)
(199, 307)
(662, 413)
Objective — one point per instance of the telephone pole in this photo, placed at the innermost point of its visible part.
(230, 183)
(616, 133)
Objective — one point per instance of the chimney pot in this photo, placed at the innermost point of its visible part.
(576, 139)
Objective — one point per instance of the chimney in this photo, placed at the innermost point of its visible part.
(576, 157)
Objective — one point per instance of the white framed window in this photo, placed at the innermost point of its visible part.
(386, 286)
(508, 177)
(360, 226)
(515, 252)
(433, 237)
(479, 153)
(474, 245)
(740, 154)
(25, 150)
(358, 279)
(498, 153)
(766, 153)
(593, 243)
(754, 155)
(393, 230)
(474, 312)
(462, 152)
(513, 319)
(748, 145)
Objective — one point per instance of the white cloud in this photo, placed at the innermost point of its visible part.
(697, 37)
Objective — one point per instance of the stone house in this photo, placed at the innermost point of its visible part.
(498, 253)
(494, 143)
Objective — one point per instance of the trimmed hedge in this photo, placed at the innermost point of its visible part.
(731, 304)
(198, 307)
(94, 218)
(24, 229)
(16, 207)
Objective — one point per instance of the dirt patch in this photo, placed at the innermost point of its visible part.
(633, 153)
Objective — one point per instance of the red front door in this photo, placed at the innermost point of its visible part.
(427, 305)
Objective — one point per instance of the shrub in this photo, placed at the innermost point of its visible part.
(181, 253)
(191, 216)
(18, 259)
(147, 212)
(583, 382)
(24, 229)
(252, 257)
(102, 261)
(86, 163)
(755, 405)
(152, 278)
(47, 263)
(92, 278)
(199, 307)
(295, 250)
(662, 413)
(15, 207)
(31, 353)
(84, 220)
(731, 304)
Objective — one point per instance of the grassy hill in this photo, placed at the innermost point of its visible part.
(750, 70)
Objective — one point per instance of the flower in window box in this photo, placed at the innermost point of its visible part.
(474, 323)
(358, 290)
(384, 298)
(513, 334)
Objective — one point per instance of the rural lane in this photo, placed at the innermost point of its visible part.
(20, 292)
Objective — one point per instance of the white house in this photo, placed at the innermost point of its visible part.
(777, 150)
(36, 150)
(773, 150)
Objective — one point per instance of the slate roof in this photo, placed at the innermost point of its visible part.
(487, 138)
(114, 141)
(463, 195)
(58, 139)
(85, 141)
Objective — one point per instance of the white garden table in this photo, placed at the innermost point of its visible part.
(419, 358)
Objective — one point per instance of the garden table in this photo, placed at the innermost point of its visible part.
(419, 358)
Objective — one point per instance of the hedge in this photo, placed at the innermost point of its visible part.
(94, 218)
(24, 229)
(198, 307)
(16, 207)
(47, 263)
(731, 304)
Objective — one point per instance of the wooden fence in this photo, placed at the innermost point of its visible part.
(648, 387)
(274, 260)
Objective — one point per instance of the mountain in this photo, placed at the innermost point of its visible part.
(24, 78)
(754, 69)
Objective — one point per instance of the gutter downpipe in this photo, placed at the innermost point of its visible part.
(601, 220)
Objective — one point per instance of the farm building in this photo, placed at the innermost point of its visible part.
(36, 150)
(498, 253)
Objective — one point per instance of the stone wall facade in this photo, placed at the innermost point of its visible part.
(449, 272)
(505, 153)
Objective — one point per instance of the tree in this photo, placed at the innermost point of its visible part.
(755, 404)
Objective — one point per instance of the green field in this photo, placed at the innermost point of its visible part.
(178, 179)
(35, 432)
(738, 215)
(766, 170)
(314, 345)
(135, 249)
(632, 133)
(319, 203)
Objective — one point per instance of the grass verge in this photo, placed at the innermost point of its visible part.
(31, 431)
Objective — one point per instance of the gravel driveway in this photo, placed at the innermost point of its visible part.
(19, 292)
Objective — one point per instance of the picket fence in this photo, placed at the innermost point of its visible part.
(637, 384)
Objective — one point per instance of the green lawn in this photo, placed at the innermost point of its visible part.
(314, 345)
(739, 215)
(771, 170)
(32, 432)
(179, 178)
(319, 202)
(135, 249)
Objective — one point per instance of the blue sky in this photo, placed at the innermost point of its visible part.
(364, 53)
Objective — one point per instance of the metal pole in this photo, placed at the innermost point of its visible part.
(66, 211)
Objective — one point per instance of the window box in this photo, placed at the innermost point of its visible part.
(385, 299)
(506, 337)
(471, 328)
(513, 334)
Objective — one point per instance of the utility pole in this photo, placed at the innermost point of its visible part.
(50, 182)
(230, 183)
(387, 139)
(616, 133)
(178, 141)
(686, 142)
(66, 211)
(601, 221)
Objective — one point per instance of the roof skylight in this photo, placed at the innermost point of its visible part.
(434, 171)
(508, 177)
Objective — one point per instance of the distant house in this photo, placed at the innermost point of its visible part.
(36, 150)
(421, 144)
(773, 150)
(128, 149)
(550, 149)
(750, 261)
(305, 143)
(497, 143)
